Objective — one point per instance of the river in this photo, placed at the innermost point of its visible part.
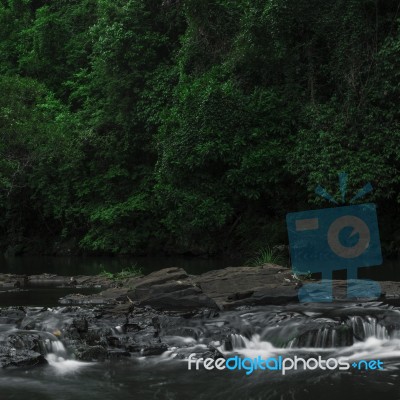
(350, 330)
(74, 265)
(287, 331)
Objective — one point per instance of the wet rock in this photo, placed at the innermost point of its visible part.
(11, 315)
(213, 353)
(113, 341)
(42, 319)
(11, 357)
(391, 322)
(146, 341)
(71, 334)
(117, 354)
(141, 319)
(153, 350)
(80, 324)
(91, 353)
(27, 341)
(96, 336)
(177, 326)
(206, 313)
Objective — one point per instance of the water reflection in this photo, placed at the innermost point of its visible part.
(72, 266)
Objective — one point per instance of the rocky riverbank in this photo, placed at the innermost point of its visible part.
(172, 289)
(138, 315)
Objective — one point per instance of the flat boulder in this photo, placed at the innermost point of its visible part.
(236, 286)
(170, 289)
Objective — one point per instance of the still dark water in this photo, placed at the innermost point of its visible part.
(72, 266)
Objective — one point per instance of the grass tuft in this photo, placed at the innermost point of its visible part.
(267, 255)
(129, 272)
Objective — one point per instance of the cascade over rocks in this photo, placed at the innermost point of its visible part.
(147, 316)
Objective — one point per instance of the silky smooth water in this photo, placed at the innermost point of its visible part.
(266, 332)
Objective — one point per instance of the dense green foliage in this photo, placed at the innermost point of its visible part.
(137, 126)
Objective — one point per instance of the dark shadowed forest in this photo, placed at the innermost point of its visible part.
(187, 126)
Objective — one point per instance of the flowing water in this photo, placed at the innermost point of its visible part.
(354, 331)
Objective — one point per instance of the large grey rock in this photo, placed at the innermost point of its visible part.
(235, 286)
(170, 289)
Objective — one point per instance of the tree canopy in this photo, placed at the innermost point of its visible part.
(186, 126)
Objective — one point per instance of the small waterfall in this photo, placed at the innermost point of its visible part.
(333, 334)
(238, 341)
(56, 347)
(364, 328)
(57, 356)
(326, 337)
(49, 343)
